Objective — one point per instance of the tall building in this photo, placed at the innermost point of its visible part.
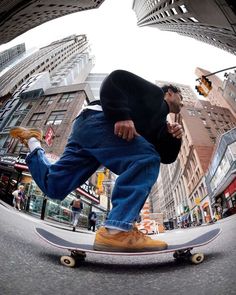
(18, 16)
(217, 96)
(49, 58)
(213, 22)
(64, 61)
(95, 80)
(11, 54)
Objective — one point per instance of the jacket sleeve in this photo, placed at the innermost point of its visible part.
(168, 148)
(113, 96)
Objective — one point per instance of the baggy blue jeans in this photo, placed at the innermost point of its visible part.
(91, 143)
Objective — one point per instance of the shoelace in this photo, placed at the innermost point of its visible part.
(139, 234)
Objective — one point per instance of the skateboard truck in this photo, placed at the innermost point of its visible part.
(185, 254)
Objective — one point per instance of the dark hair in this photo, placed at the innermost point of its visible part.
(172, 87)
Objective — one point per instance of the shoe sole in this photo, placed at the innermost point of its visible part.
(105, 248)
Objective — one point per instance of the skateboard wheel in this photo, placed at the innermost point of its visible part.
(68, 261)
(197, 258)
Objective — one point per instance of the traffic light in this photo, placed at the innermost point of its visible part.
(205, 81)
(200, 90)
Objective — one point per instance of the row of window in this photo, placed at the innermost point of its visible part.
(65, 98)
(55, 118)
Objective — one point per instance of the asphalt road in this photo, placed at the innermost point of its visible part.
(28, 265)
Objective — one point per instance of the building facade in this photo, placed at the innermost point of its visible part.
(8, 56)
(184, 190)
(53, 112)
(221, 176)
(17, 16)
(49, 58)
(209, 21)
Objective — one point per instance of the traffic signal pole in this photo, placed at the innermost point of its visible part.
(217, 72)
(205, 84)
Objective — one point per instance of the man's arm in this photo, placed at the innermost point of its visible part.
(113, 96)
(169, 145)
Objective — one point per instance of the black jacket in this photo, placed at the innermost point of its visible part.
(125, 96)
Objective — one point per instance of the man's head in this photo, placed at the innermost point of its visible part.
(21, 187)
(173, 97)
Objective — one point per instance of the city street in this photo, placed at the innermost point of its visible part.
(31, 266)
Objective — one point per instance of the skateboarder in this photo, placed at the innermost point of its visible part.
(127, 132)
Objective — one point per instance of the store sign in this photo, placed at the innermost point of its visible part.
(8, 160)
(20, 162)
(89, 191)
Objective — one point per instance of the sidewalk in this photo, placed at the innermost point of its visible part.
(49, 222)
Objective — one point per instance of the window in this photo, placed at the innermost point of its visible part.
(14, 121)
(25, 106)
(56, 118)
(67, 98)
(36, 119)
(47, 101)
(191, 112)
(193, 19)
(183, 8)
(19, 148)
(174, 11)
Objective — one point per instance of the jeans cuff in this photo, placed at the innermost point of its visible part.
(119, 225)
(32, 153)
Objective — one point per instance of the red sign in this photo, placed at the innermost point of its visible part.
(49, 136)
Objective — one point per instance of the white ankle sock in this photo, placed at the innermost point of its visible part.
(33, 143)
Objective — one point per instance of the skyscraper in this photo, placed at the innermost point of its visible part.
(18, 16)
(213, 22)
(9, 55)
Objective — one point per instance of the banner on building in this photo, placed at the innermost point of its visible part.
(100, 178)
(49, 135)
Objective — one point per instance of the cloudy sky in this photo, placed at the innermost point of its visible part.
(117, 42)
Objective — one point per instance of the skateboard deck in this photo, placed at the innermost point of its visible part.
(78, 251)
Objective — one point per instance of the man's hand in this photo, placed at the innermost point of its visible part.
(125, 129)
(175, 129)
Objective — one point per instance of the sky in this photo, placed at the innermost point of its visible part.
(118, 43)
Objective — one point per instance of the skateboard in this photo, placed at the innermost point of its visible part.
(78, 251)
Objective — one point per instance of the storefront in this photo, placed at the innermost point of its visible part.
(230, 197)
(9, 177)
(39, 204)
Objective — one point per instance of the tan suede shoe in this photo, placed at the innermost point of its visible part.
(24, 134)
(126, 241)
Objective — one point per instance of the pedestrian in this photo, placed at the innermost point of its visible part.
(92, 218)
(77, 207)
(128, 133)
(18, 197)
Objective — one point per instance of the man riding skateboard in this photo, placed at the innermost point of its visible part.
(127, 132)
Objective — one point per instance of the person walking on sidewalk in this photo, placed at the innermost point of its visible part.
(77, 207)
(128, 133)
(92, 218)
(18, 197)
